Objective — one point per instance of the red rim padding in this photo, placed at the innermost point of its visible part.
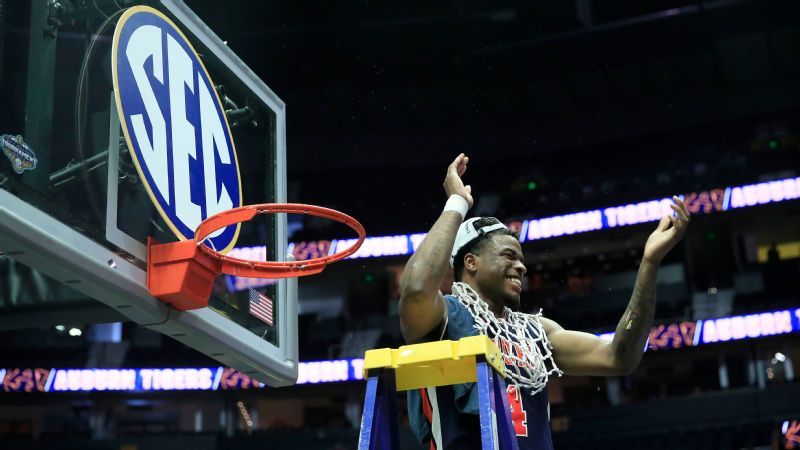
(182, 273)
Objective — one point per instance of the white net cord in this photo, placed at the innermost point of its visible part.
(534, 366)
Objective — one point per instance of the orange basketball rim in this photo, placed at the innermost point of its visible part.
(182, 273)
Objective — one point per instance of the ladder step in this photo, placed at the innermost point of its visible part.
(438, 363)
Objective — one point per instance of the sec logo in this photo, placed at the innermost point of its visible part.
(174, 125)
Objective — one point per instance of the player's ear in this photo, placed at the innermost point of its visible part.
(471, 262)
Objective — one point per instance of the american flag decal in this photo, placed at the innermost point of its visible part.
(261, 306)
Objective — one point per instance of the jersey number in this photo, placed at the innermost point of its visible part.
(518, 414)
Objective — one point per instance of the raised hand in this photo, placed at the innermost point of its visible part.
(669, 232)
(452, 181)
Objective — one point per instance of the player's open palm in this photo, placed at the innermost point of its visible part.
(669, 232)
(452, 181)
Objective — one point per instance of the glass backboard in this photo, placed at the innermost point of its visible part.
(73, 201)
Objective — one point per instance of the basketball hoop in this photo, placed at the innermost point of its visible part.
(182, 273)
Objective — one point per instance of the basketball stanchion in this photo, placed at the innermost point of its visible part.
(182, 273)
(441, 363)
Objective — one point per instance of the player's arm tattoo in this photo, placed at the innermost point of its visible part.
(634, 327)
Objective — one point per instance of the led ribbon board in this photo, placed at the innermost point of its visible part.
(174, 125)
(167, 379)
(702, 202)
(662, 337)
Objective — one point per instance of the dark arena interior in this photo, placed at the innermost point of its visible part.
(581, 119)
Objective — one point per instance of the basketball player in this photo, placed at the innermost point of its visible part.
(488, 266)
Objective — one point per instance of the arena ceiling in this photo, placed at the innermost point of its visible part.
(421, 80)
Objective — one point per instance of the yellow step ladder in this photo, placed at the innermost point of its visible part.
(441, 363)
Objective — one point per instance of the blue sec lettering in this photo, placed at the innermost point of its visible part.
(174, 125)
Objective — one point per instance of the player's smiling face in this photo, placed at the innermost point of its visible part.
(499, 270)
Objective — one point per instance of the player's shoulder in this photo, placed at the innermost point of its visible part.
(549, 325)
(454, 307)
(450, 298)
(460, 321)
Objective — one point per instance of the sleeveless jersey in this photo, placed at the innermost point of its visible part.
(446, 417)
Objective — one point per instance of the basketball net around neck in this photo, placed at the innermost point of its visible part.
(531, 369)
